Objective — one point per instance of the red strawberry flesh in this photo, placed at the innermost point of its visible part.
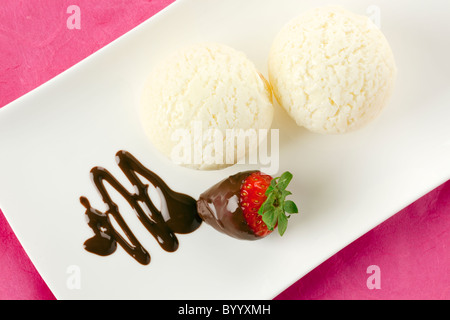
(252, 196)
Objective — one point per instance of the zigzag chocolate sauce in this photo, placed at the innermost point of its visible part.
(178, 213)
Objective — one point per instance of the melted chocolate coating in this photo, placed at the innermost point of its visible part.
(219, 207)
(178, 212)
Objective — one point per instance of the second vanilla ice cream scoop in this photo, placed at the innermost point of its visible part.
(332, 70)
(209, 87)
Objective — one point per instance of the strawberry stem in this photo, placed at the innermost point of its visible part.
(274, 209)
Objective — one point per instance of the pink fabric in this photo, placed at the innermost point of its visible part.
(410, 249)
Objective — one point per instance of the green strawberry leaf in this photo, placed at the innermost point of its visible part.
(290, 207)
(274, 209)
(269, 190)
(282, 224)
(268, 204)
(273, 183)
(285, 193)
(285, 179)
(270, 218)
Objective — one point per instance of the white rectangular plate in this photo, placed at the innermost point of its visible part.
(344, 185)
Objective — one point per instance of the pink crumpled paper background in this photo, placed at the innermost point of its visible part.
(410, 249)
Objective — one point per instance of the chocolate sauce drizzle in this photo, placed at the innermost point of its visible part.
(178, 212)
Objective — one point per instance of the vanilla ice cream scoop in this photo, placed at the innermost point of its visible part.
(195, 96)
(332, 70)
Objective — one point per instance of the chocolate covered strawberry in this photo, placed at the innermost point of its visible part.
(248, 205)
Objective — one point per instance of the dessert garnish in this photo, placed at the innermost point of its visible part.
(248, 205)
(177, 213)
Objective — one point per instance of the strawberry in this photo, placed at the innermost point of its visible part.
(248, 205)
